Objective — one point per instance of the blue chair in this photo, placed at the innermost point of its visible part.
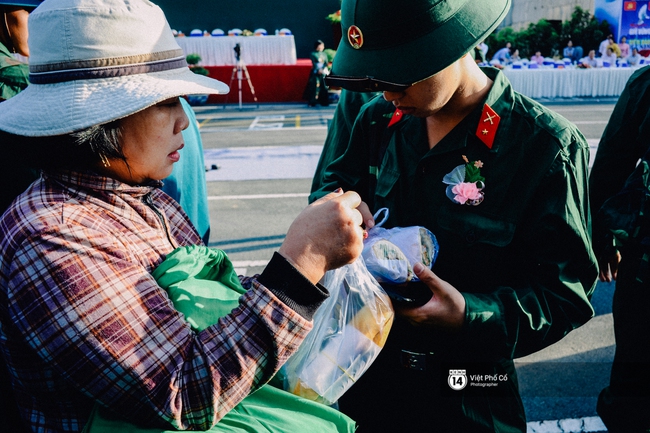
(260, 32)
(196, 32)
(606, 64)
(218, 32)
(533, 65)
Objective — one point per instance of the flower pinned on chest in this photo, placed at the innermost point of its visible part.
(466, 183)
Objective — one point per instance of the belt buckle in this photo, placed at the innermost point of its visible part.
(414, 360)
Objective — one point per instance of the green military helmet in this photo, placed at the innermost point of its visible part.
(392, 44)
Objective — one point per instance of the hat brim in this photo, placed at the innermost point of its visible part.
(62, 108)
(413, 61)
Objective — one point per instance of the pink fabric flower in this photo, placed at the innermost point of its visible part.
(466, 191)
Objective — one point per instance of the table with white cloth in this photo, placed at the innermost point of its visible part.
(255, 50)
(569, 83)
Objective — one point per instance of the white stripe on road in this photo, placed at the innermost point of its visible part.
(206, 129)
(592, 424)
(262, 162)
(257, 196)
(593, 147)
(267, 122)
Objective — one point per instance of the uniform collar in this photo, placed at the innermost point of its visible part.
(93, 181)
(500, 100)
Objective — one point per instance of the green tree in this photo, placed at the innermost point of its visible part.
(585, 30)
(541, 36)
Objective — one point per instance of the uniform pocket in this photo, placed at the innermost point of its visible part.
(386, 181)
(477, 228)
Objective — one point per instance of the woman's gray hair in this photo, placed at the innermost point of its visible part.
(102, 140)
(80, 150)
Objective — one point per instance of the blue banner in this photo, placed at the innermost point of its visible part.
(629, 18)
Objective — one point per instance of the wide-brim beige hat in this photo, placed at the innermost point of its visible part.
(95, 61)
(390, 45)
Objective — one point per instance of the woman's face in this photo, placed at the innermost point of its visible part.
(150, 141)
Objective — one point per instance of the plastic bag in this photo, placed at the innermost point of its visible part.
(390, 254)
(350, 329)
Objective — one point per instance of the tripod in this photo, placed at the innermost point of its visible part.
(240, 71)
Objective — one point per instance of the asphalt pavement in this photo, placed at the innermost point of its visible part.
(260, 159)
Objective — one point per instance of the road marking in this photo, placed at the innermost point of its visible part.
(283, 128)
(592, 424)
(262, 162)
(593, 148)
(257, 196)
(297, 121)
(268, 122)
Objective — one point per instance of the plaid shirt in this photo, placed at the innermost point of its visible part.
(82, 320)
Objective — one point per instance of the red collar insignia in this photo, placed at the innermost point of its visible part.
(355, 37)
(488, 125)
(397, 116)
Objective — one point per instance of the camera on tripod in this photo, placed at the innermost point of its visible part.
(237, 50)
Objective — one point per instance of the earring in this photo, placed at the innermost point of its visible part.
(105, 160)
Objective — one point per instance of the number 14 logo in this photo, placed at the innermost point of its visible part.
(457, 379)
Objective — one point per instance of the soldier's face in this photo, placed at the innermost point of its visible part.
(429, 96)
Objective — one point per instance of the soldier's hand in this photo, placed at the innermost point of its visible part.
(445, 309)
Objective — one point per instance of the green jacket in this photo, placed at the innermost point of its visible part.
(14, 75)
(624, 141)
(522, 258)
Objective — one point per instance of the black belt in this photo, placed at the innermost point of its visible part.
(416, 361)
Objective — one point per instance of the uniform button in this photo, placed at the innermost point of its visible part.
(470, 236)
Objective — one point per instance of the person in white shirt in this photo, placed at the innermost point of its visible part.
(602, 48)
(590, 61)
(634, 59)
(609, 58)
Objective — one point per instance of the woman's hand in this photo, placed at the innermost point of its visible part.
(326, 235)
(445, 309)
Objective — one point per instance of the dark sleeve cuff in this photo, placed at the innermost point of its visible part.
(288, 284)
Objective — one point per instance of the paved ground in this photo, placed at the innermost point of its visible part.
(261, 160)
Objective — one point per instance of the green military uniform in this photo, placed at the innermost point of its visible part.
(316, 90)
(15, 177)
(521, 258)
(338, 132)
(623, 404)
(14, 75)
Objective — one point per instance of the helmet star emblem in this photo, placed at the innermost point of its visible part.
(355, 37)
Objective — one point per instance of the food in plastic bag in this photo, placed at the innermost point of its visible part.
(390, 254)
(350, 329)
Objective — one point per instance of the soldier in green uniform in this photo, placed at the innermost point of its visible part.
(623, 405)
(338, 131)
(502, 183)
(14, 77)
(13, 39)
(316, 90)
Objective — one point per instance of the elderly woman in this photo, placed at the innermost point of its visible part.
(82, 321)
